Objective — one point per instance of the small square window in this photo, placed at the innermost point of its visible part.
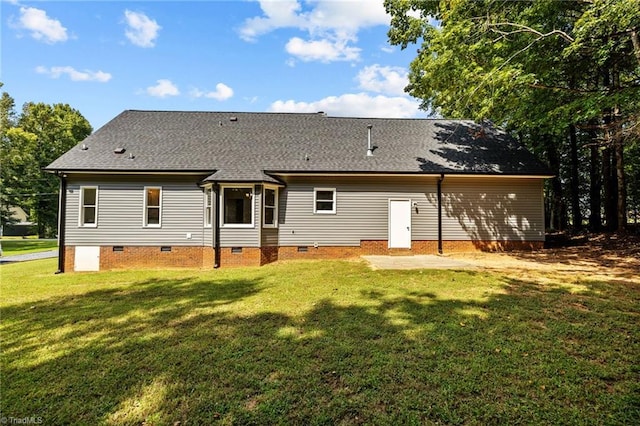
(324, 200)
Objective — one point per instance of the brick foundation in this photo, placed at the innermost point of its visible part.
(153, 257)
(132, 257)
(268, 255)
(249, 256)
(203, 257)
(380, 247)
(69, 258)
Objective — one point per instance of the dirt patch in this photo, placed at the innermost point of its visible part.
(601, 257)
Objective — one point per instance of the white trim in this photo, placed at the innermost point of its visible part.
(253, 206)
(145, 223)
(208, 218)
(276, 200)
(416, 175)
(276, 173)
(315, 199)
(81, 223)
(128, 172)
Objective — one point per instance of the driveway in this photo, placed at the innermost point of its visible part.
(29, 256)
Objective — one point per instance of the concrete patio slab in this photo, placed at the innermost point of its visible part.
(416, 262)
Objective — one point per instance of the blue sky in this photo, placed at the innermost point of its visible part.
(103, 57)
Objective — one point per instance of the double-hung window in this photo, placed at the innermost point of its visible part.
(208, 207)
(89, 206)
(324, 200)
(152, 206)
(270, 203)
(237, 206)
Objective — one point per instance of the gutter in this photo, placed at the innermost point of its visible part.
(62, 211)
(440, 179)
(216, 226)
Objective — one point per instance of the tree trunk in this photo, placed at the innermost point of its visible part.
(610, 186)
(575, 180)
(621, 188)
(635, 40)
(40, 218)
(595, 200)
(557, 204)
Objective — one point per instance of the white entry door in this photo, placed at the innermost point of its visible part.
(399, 223)
(87, 259)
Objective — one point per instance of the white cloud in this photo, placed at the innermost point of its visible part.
(387, 80)
(322, 50)
(142, 30)
(42, 27)
(222, 93)
(331, 26)
(320, 16)
(354, 105)
(75, 75)
(277, 14)
(163, 89)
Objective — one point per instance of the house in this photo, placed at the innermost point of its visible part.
(20, 226)
(209, 189)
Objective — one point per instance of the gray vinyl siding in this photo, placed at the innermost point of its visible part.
(362, 210)
(207, 236)
(270, 237)
(474, 208)
(244, 237)
(121, 211)
(490, 209)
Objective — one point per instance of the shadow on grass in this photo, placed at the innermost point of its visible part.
(166, 351)
(15, 247)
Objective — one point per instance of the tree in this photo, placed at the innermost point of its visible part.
(7, 122)
(28, 143)
(55, 129)
(560, 75)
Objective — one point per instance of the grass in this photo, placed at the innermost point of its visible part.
(28, 245)
(316, 343)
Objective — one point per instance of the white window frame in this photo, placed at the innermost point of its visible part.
(82, 206)
(315, 201)
(208, 207)
(253, 207)
(145, 218)
(275, 189)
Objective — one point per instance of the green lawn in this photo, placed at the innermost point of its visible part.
(316, 343)
(23, 246)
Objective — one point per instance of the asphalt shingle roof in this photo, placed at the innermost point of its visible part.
(243, 146)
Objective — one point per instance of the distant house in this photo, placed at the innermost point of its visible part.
(209, 189)
(20, 225)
